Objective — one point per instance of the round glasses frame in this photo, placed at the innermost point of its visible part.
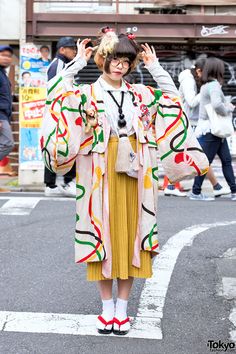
(125, 62)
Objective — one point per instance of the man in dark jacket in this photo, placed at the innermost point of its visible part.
(66, 51)
(6, 138)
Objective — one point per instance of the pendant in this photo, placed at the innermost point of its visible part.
(121, 123)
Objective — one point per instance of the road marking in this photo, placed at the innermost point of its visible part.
(153, 296)
(19, 206)
(147, 323)
(227, 289)
(25, 205)
(232, 318)
(56, 199)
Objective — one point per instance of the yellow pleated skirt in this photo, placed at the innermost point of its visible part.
(123, 217)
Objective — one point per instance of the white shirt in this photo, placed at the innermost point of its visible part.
(111, 109)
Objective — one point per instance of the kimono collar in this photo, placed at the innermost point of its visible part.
(108, 87)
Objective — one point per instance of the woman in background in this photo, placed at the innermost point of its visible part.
(211, 92)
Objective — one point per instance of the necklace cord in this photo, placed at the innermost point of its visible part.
(121, 120)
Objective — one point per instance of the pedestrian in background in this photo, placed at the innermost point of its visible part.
(190, 84)
(6, 137)
(66, 51)
(189, 89)
(111, 128)
(211, 92)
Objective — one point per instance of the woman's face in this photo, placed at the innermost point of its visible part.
(199, 73)
(118, 67)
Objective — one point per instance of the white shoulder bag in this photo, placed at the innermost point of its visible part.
(221, 126)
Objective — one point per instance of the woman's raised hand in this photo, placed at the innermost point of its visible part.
(148, 54)
(82, 51)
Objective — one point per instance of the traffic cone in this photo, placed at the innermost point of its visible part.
(5, 168)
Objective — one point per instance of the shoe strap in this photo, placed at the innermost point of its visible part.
(120, 323)
(106, 323)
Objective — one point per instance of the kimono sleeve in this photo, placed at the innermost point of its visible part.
(63, 123)
(180, 153)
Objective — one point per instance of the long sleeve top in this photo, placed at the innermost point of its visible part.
(5, 96)
(56, 66)
(189, 95)
(211, 93)
(158, 120)
(160, 76)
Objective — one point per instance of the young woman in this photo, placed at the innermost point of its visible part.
(211, 92)
(112, 129)
(189, 89)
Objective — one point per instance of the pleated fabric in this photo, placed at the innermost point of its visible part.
(123, 214)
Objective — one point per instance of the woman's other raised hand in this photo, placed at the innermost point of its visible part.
(148, 54)
(82, 51)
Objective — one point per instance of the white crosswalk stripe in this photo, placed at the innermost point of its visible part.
(229, 292)
(25, 205)
(227, 288)
(19, 206)
(148, 322)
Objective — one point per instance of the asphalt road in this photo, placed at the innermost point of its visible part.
(38, 275)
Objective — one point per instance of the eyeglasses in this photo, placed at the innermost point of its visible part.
(116, 61)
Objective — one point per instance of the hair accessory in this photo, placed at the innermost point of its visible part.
(131, 36)
(107, 29)
(108, 42)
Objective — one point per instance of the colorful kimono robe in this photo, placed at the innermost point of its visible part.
(158, 121)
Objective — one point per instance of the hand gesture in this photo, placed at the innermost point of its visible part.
(148, 54)
(83, 52)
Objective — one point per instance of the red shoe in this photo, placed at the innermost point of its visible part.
(103, 326)
(121, 328)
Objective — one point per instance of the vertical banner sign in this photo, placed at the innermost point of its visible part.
(34, 61)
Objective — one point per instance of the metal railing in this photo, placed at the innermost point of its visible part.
(125, 6)
(91, 6)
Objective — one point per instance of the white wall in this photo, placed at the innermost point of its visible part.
(10, 17)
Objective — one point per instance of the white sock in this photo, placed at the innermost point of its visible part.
(108, 309)
(121, 309)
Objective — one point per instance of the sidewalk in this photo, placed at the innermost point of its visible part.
(10, 184)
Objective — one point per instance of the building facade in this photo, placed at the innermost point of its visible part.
(179, 30)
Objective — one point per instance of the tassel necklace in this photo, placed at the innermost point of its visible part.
(121, 120)
(126, 161)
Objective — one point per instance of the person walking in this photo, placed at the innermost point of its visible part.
(6, 137)
(211, 92)
(189, 89)
(66, 51)
(111, 128)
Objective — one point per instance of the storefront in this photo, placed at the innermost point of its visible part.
(178, 38)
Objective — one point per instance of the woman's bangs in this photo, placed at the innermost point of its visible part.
(125, 49)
